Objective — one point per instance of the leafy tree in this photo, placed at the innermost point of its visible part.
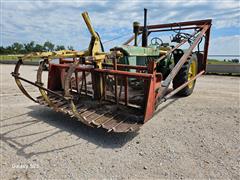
(59, 47)
(17, 48)
(2, 50)
(8, 50)
(48, 46)
(29, 47)
(70, 48)
(38, 48)
(235, 60)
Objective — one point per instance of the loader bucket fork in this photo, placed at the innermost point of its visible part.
(95, 87)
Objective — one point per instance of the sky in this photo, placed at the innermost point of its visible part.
(60, 21)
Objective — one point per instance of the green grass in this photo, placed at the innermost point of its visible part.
(215, 61)
(14, 58)
(7, 57)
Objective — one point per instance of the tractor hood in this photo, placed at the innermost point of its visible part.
(137, 51)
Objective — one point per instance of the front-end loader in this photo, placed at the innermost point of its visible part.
(120, 90)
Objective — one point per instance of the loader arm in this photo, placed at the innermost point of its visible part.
(95, 47)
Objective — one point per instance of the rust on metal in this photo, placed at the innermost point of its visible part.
(118, 90)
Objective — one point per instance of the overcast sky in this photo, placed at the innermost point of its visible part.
(61, 23)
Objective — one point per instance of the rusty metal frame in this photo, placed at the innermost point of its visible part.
(202, 27)
(180, 63)
(156, 91)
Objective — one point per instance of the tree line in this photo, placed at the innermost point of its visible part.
(18, 48)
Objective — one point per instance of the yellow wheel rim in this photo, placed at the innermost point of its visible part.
(191, 73)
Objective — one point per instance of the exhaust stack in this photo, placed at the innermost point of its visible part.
(145, 30)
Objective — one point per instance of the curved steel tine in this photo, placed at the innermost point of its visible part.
(40, 83)
(15, 74)
(68, 96)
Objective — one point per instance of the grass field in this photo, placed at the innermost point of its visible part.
(15, 57)
(215, 61)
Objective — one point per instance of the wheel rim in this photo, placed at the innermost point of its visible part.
(191, 73)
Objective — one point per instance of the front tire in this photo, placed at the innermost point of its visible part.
(188, 70)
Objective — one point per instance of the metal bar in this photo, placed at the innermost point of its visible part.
(188, 23)
(124, 73)
(65, 61)
(175, 29)
(40, 83)
(91, 113)
(206, 44)
(85, 81)
(60, 60)
(180, 88)
(89, 25)
(126, 90)
(81, 84)
(96, 118)
(129, 40)
(183, 59)
(104, 85)
(67, 80)
(186, 55)
(183, 85)
(113, 128)
(145, 30)
(76, 113)
(15, 74)
(70, 84)
(120, 91)
(126, 66)
(34, 84)
(109, 119)
(78, 68)
(121, 66)
(173, 49)
(76, 80)
(116, 80)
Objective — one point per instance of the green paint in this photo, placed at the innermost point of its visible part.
(139, 51)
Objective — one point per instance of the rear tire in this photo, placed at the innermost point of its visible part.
(188, 70)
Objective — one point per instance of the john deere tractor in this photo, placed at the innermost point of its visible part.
(120, 90)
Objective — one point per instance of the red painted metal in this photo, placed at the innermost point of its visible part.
(125, 73)
(126, 66)
(54, 77)
(150, 93)
(152, 90)
(126, 90)
(178, 24)
(118, 75)
(172, 93)
(206, 45)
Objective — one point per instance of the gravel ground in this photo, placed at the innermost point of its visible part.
(193, 137)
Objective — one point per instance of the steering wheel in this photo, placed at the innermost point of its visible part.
(156, 41)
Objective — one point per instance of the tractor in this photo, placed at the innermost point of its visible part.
(120, 90)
